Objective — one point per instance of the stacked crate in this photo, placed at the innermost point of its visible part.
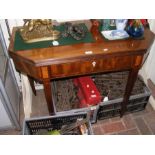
(111, 85)
(66, 100)
(34, 126)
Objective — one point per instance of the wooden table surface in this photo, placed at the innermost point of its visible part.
(46, 64)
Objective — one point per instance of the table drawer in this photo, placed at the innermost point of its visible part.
(92, 66)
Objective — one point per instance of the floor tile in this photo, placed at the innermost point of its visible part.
(113, 127)
(129, 122)
(129, 132)
(142, 126)
(97, 130)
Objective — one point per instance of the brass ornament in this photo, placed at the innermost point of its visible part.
(35, 30)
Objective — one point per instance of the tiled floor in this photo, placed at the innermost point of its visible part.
(139, 123)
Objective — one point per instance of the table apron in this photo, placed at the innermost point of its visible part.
(85, 67)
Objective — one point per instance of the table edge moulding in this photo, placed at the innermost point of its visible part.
(100, 56)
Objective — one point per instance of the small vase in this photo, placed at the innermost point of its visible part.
(135, 28)
(121, 24)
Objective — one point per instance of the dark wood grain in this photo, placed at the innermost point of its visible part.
(45, 64)
(48, 95)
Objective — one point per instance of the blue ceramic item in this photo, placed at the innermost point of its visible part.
(115, 34)
(135, 29)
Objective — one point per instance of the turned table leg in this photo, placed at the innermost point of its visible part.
(31, 80)
(130, 83)
(48, 96)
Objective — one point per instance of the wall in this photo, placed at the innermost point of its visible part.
(4, 118)
(12, 23)
(147, 70)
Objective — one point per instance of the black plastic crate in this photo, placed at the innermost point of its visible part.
(91, 111)
(33, 125)
(112, 85)
(112, 108)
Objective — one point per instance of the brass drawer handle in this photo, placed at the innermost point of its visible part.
(94, 63)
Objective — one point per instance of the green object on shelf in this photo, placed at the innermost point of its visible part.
(105, 25)
(19, 43)
(54, 132)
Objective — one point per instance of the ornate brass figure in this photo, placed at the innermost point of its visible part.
(35, 30)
